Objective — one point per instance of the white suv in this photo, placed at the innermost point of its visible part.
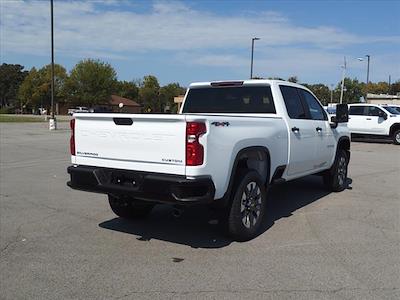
(375, 121)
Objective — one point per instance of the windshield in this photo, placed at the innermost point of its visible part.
(243, 99)
(392, 109)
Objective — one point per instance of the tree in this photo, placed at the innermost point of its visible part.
(395, 88)
(167, 94)
(149, 93)
(11, 77)
(127, 89)
(376, 88)
(321, 91)
(28, 88)
(91, 82)
(354, 90)
(35, 90)
(293, 79)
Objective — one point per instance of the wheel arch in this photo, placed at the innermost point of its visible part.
(255, 158)
(344, 144)
(394, 128)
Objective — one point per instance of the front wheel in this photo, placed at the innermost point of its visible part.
(335, 178)
(396, 137)
(128, 208)
(248, 206)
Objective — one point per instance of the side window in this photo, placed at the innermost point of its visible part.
(293, 103)
(316, 111)
(356, 110)
(373, 111)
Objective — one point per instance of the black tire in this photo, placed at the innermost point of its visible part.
(396, 137)
(335, 179)
(128, 208)
(247, 208)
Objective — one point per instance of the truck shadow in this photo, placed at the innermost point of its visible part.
(197, 226)
(371, 140)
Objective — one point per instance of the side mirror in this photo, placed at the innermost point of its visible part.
(342, 113)
(382, 115)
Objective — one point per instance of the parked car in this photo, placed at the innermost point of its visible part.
(230, 142)
(78, 109)
(331, 110)
(372, 120)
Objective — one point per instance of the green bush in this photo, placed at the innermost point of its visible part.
(7, 110)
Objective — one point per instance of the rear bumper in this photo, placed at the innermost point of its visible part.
(155, 187)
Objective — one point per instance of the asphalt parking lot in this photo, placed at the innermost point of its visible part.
(57, 243)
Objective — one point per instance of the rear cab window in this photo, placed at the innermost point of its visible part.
(230, 99)
(357, 111)
(293, 103)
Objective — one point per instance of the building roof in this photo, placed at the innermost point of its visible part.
(116, 100)
(383, 96)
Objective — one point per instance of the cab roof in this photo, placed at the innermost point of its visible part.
(222, 83)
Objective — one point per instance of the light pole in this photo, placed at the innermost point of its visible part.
(366, 85)
(252, 55)
(343, 75)
(52, 121)
(368, 60)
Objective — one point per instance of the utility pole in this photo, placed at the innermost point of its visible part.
(343, 75)
(252, 55)
(390, 83)
(366, 88)
(366, 83)
(52, 121)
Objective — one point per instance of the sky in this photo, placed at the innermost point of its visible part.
(188, 41)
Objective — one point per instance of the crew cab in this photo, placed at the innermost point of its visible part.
(230, 141)
(374, 121)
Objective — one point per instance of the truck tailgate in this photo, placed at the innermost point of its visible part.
(153, 143)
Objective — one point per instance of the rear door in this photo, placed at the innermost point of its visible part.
(324, 139)
(301, 133)
(357, 119)
(154, 143)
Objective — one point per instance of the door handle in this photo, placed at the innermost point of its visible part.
(369, 119)
(318, 129)
(295, 129)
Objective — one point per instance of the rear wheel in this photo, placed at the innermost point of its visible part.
(247, 209)
(335, 179)
(129, 208)
(396, 137)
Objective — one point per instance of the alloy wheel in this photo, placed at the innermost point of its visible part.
(342, 170)
(250, 207)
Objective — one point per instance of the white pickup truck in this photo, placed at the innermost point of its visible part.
(379, 121)
(229, 143)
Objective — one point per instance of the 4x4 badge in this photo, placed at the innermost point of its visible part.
(220, 124)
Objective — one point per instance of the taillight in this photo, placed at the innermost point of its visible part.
(72, 139)
(194, 150)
